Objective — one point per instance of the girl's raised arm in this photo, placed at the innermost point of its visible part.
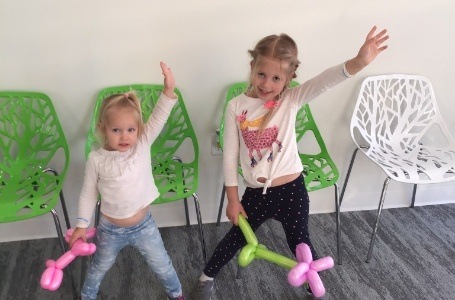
(169, 82)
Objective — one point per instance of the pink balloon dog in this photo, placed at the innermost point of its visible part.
(53, 275)
(307, 270)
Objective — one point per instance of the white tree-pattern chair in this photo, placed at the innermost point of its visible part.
(397, 124)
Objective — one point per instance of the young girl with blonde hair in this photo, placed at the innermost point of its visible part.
(259, 132)
(121, 172)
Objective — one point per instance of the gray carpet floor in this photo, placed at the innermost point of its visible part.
(414, 258)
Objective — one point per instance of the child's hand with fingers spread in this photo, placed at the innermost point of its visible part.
(373, 45)
(169, 82)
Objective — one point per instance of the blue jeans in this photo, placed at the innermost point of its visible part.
(146, 238)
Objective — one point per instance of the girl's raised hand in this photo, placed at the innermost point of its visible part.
(373, 45)
(169, 82)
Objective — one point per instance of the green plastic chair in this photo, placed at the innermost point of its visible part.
(32, 146)
(319, 169)
(176, 176)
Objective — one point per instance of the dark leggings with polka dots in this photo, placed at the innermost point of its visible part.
(288, 204)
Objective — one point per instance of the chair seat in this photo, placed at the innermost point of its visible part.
(423, 165)
(26, 197)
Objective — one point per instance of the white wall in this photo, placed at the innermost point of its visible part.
(71, 49)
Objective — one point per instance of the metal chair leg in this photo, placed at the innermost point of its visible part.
(414, 192)
(59, 231)
(62, 199)
(185, 201)
(220, 209)
(351, 164)
(376, 225)
(65, 211)
(64, 249)
(239, 272)
(201, 231)
(187, 215)
(339, 200)
(97, 213)
(338, 224)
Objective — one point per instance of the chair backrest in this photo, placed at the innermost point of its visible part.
(168, 172)
(31, 140)
(319, 169)
(394, 117)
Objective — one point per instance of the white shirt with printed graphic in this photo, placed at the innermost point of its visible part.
(275, 153)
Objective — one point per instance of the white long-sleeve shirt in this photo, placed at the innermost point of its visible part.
(242, 121)
(123, 179)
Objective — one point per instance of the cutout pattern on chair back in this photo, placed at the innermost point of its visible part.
(319, 169)
(31, 140)
(392, 118)
(174, 179)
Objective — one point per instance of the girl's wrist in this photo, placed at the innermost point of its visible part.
(354, 65)
(170, 93)
(232, 200)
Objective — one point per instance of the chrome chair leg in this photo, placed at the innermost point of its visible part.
(220, 209)
(62, 199)
(339, 200)
(351, 164)
(239, 272)
(185, 200)
(59, 231)
(64, 249)
(97, 213)
(414, 192)
(187, 215)
(376, 225)
(65, 211)
(338, 224)
(201, 231)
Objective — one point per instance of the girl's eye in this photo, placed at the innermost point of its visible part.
(115, 130)
(131, 129)
(261, 74)
(276, 78)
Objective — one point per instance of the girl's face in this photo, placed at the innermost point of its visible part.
(268, 79)
(121, 130)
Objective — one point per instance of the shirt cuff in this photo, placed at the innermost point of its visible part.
(345, 71)
(82, 222)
